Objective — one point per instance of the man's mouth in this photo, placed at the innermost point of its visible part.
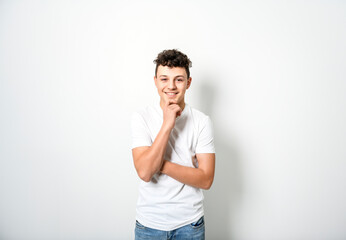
(171, 93)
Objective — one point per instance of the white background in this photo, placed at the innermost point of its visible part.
(271, 75)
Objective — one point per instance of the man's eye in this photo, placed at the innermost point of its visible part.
(180, 80)
(163, 79)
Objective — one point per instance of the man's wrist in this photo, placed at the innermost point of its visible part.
(164, 167)
(166, 128)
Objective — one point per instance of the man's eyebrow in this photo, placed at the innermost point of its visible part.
(174, 76)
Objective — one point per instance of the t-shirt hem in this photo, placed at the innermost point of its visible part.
(207, 151)
(140, 145)
(168, 228)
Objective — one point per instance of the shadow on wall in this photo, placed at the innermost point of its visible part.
(224, 197)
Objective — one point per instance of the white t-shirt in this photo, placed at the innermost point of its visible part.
(165, 203)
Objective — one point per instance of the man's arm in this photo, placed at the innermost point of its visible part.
(201, 177)
(149, 160)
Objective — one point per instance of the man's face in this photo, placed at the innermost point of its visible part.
(171, 84)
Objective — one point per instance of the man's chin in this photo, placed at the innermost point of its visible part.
(168, 99)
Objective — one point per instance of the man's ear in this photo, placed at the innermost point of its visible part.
(188, 82)
(155, 80)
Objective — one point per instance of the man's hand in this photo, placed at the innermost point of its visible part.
(201, 177)
(170, 112)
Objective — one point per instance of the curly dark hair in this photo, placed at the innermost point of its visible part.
(173, 58)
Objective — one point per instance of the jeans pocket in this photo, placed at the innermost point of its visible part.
(139, 226)
(198, 224)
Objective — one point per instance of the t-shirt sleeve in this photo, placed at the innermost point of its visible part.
(205, 143)
(139, 132)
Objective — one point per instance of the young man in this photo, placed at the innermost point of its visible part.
(173, 153)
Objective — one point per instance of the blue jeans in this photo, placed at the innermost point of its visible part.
(193, 231)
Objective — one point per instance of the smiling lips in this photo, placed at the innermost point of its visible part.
(171, 94)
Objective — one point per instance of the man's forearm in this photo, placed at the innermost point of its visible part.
(195, 177)
(150, 161)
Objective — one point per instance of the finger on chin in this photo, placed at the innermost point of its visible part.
(172, 101)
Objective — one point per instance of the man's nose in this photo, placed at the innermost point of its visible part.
(172, 84)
